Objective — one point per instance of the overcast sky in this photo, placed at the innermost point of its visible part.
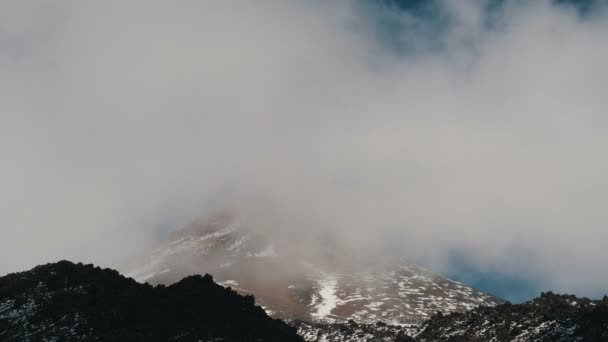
(482, 134)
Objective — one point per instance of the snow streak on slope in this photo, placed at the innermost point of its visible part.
(328, 299)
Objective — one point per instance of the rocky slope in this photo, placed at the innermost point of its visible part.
(352, 331)
(75, 302)
(547, 318)
(328, 286)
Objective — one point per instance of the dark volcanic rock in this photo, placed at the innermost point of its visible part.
(550, 317)
(352, 331)
(74, 302)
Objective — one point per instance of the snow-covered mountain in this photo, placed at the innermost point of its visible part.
(333, 287)
(74, 302)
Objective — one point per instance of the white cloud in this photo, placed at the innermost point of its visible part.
(119, 117)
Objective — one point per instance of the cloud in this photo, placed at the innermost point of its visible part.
(479, 131)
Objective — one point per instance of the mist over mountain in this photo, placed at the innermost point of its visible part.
(304, 170)
(319, 281)
(412, 132)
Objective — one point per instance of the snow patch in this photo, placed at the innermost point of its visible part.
(328, 300)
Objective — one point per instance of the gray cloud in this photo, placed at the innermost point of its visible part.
(118, 118)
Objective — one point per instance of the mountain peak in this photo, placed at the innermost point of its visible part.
(325, 284)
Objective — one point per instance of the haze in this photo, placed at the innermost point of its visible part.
(478, 132)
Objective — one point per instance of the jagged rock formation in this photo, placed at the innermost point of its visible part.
(547, 318)
(322, 283)
(74, 302)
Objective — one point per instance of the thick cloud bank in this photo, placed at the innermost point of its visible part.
(477, 131)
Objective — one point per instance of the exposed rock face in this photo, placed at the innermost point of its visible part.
(75, 302)
(547, 318)
(333, 287)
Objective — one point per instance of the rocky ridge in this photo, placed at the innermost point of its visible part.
(73, 302)
(550, 317)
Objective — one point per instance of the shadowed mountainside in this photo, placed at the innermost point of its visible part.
(549, 317)
(74, 302)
